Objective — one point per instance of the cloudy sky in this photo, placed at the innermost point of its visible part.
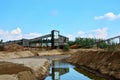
(73, 18)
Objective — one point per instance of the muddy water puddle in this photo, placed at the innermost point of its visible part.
(61, 70)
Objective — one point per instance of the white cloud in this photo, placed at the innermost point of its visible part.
(100, 33)
(96, 33)
(16, 31)
(16, 34)
(32, 35)
(91, 35)
(108, 16)
(118, 34)
(71, 37)
(54, 13)
(11, 35)
(1, 32)
(81, 33)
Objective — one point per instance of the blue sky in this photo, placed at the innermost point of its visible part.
(73, 18)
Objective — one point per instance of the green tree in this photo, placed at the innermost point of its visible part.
(66, 48)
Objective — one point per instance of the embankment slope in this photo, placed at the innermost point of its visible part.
(105, 62)
(24, 69)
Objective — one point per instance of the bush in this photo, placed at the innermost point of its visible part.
(66, 48)
(1, 48)
(112, 47)
(103, 45)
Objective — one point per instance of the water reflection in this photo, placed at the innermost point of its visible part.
(58, 69)
(90, 75)
(57, 72)
(61, 70)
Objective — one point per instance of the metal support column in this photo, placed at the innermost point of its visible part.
(119, 39)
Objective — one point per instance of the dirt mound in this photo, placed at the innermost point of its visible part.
(21, 72)
(118, 46)
(74, 46)
(107, 63)
(25, 69)
(12, 68)
(13, 47)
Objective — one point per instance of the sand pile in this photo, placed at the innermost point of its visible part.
(12, 68)
(13, 47)
(24, 69)
(75, 46)
(106, 62)
(118, 46)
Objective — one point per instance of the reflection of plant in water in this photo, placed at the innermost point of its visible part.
(89, 74)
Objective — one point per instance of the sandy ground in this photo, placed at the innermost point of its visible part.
(8, 77)
(32, 62)
(106, 62)
(15, 54)
(18, 54)
(38, 66)
(50, 52)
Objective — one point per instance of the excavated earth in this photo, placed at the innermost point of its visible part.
(14, 67)
(105, 62)
(24, 69)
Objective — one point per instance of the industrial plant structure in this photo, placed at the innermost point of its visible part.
(53, 40)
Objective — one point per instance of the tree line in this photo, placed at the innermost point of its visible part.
(90, 42)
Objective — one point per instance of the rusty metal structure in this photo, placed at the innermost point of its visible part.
(109, 41)
(53, 40)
